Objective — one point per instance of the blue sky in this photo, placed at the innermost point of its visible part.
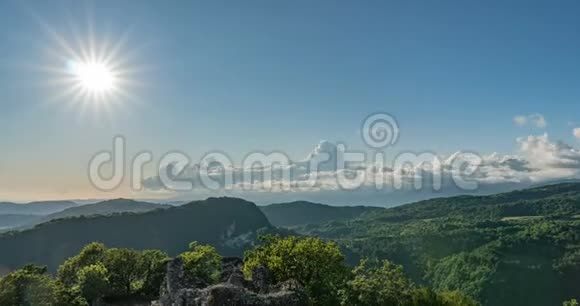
(272, 75)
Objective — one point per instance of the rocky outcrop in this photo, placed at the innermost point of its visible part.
(234, 290)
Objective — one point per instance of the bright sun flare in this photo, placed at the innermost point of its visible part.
(93, 77)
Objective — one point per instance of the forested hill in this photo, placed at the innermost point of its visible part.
(515, 248)
(301, 212)
(549, 200)
(226, 223)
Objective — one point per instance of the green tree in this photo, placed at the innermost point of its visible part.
(91, 254)
(428, 297)
(29, 286)
(202, 261)
(572, 302)
(128, 272)
(152, 265)
(378, 284)
(125, 271)
(93, 282)
(66, 296)
(456, 298)
(316, 264)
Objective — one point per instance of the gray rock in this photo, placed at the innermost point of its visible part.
(234, 290)
(229, 266)
(261, 279)
(177, 284)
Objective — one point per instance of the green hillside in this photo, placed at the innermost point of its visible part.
(301, 212)
(516, 248)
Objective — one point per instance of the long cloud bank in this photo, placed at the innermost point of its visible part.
(324, 177)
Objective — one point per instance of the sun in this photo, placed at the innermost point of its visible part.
(93, 77)
(93, 72)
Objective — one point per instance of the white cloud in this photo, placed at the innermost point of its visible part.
(520, 120)
(576, 132)
(538, 160)
(536, 120)
(539, 120)
(544, 154)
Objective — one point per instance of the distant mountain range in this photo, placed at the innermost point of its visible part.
(302, 212)
(281, 215)
(37, 213)
(35, 208)
(104, 208)
(229, 224)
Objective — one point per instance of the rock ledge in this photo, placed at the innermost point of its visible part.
(234, 289)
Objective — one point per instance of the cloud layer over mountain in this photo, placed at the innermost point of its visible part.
(322, 176)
